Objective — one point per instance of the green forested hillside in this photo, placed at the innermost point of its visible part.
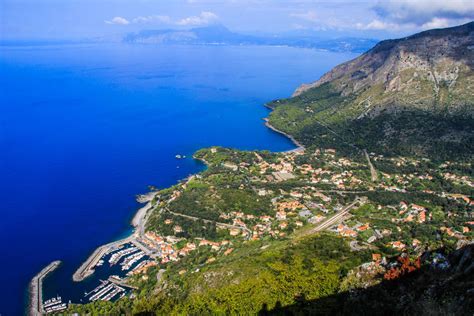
(409, 96)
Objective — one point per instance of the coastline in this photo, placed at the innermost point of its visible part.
(138, 223)
(299, 146)
(140, 218)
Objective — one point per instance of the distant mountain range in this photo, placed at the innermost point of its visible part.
(220, 35)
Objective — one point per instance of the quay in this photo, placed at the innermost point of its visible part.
(87, 268)
(36, 289)
(140, 245)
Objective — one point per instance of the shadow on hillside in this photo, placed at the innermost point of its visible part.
(427, 291)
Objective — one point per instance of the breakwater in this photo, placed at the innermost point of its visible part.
(36, 289)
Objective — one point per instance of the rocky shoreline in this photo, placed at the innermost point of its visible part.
(299, 146)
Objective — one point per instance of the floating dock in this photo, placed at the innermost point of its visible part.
(36, 289)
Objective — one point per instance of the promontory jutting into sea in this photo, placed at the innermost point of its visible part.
(241, 158)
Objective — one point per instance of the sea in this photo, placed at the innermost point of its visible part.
(84, 128)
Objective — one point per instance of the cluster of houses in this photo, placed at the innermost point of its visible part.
(345, 231)
(307, 204)
(458, 179)
(167, 250)
(165, 246)
(290, 212)
(286, 168)
(405, 213)
(412, 213)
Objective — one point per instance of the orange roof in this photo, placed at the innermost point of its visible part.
(363, 227)
(376, 256)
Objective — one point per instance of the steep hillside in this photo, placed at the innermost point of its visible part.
(413, 94)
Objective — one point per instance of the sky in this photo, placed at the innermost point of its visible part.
(87, 19)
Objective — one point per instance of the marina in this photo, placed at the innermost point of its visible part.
(117, 256)
(87, 268)
(131, 260)
(98, 288)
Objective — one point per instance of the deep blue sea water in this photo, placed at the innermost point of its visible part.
(84, 128)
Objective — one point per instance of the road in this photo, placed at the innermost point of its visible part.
(373, 172)
(336, 217)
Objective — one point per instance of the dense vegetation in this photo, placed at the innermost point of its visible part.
(424, 292)
(322, 117)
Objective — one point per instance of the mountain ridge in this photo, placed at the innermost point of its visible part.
(386, 45)
(374, 99)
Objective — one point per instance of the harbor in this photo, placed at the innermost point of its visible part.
(88, 267)
(122, 257)
(138, 222)
(116, 261)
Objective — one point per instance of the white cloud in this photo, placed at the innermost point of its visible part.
(436, 23)
(415, 15)
(307, 16)
(152, 19)
(118, 20)
(374, 25)
(439, 13)
(205, 18)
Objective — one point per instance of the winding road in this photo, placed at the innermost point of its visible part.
(218, 224)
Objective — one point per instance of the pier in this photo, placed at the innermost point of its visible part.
(105, 291)
(36, 289)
